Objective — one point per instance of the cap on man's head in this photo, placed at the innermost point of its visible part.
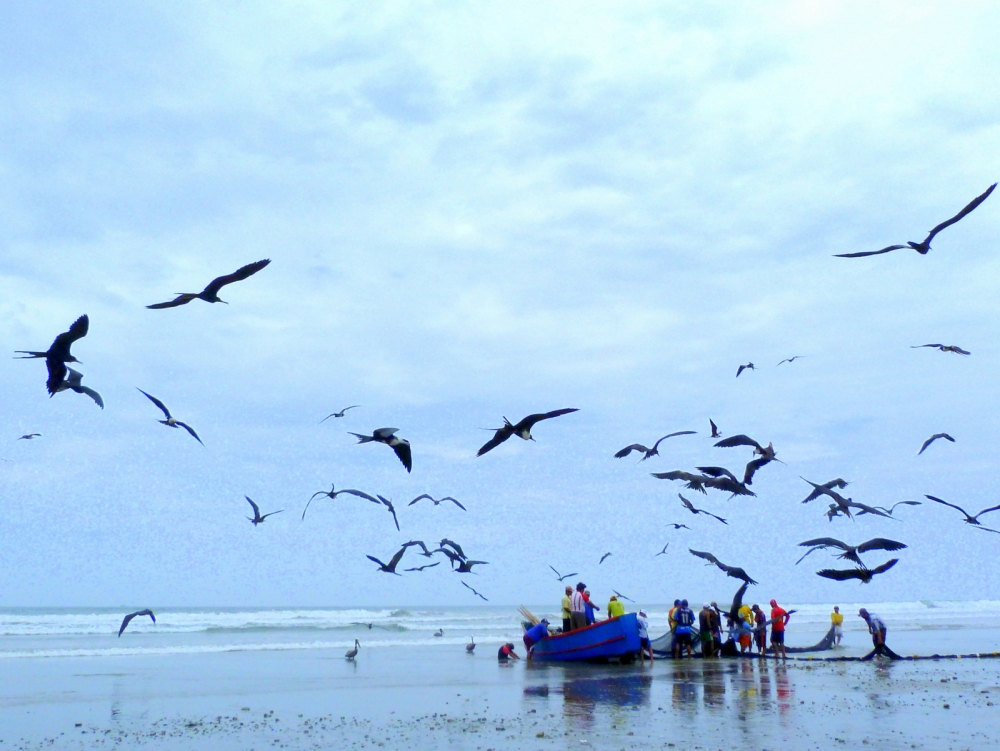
(642, 613)
(706, 606)
(544, 621)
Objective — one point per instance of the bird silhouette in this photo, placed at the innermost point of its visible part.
(211, 292)
(563, 576)
(791, 359)
(923, 247)
(58, 354)
(332, 493)
(715, 430)
(648, 452)
(690, 507)
(257, 518)
(128, 619)
(390, 567)
(352, 653)
(465, 567)
(748, 366)
(421, 568)
(170, 422)
(850, 552)
(733, 571)
(944, 348)
(437, 501)
(969, 518)
(699, 482)
(339, 414)
(864, 574)
(766, 454)
(602, 558)
(675, 525)
(392, 510)
(664, 551)
(622, 596)
(74, 382)
(521, 429)
(477, 595)
(400, 446)
(826, 489)
(933, 438)
(29, 436)
(471, 646)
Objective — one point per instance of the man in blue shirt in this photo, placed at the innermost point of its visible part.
(684, 618)
(535, 634)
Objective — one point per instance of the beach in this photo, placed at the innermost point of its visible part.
(269, 689)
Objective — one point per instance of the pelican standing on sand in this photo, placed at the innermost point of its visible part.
(471, 646)
(352, 653)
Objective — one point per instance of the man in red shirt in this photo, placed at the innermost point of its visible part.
(780, 617)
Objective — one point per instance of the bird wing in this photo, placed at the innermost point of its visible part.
(987, 529)
(499, 437)
(933, 438)
(671, 435)
(530, 420)
(687, 504)
(384, 433)
(734, 610)
(421, 568)
(457, 548)
(93, 395)
(359, 494)
(736, 572)
(718, 472)
(190, 430)
(449, 498)
(62, 343)
(841, 575)
(740, 370)
(396, 558)
(556, 572)
(715, 430)
(825, 542)
(752, 467)
(182, 299)
(256, 510)
(730, 486)
(272, 513)
(880, 543)
(125, 621)
(392, 510)
(707, 556)
(373, 558)
(811, 550)
(675, 475)
(971, 206)
(986, 511)
(629, 449)
(402, 450)
(885, 566)
(57, 374)
(239, 275)
(419, 498)
(938, 500)
(157, 402)
(870, 252)
(709, 513)
(602, 558)
(903, 503)
(738, 440)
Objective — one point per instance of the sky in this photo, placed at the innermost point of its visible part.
(483, 211)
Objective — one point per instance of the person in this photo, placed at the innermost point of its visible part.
(535, 634)
(837, 621)
(506, 653)
(760, 632)
(717, 632)
(743, 625)
(578, 608)
(682, 631)
(590, 608)
(780, 617)
(878, 630)
(566, 605)
(644, 643)
(615, 607)
(670, 615)
(706, 632)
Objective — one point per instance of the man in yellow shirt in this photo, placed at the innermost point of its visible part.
(837, 619)
(566, 606)
(615, 608)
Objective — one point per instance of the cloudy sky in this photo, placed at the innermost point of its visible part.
(483, 211)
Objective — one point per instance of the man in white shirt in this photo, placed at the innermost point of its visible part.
(578, 607)
(644, 643)
(878, 630)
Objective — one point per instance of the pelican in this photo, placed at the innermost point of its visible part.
(257, 518)
(170, 422)
(733, 571)
(128, 619)
(521, 429)
(339, 414)
(352, 653)
(437, 501)
(923, 247)
(944, 348)
(58, 353)
(400, 446)
(471, 646)
(211, 292)
(648, 452)
(74, 382)
(439, 632)
(933, 438)
(864, 574)
(969, 519)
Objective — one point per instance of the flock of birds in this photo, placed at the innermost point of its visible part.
(62, 378)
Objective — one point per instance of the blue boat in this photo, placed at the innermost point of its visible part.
(615, 638)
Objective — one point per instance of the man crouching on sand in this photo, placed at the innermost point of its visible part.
(878, 630)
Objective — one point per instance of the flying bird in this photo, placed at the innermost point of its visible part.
(333, 493)
(748, 366)
(933, 438)
(170, 421)
(437, 501)
(690, 507)
(421, 568)
(392, 510)
(351, 654)
(826, 488)
(211, 292)
(944, 348)
(649, 452)
(477, 595)
(850, 552)
(388, 436)
(675, 525)
(521, 429)
(791, 359)
(454, 546)
(622, 596)
(898, 503)
(715, 430)
(700, 482)
(864, 574)
(923, 247)
(338, 414)
(733, 571)
(602, 558)
(58, 353)
(465, 567)
(74, 382)
(128, 619)
(766, 454)
(29, 436)
(969, 519)
(563, 576)
(390, 567)
(664, 551)
(257, 518)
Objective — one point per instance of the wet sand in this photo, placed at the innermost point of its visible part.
(439, 698)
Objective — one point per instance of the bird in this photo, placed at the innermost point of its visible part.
(700, 482)
(465, 567)
(421, 568)
(898, 503)
(454, 546)
(969, 519)
(842, 507)
(390, 567)
(622, 596)
(748, 366)
(471, 646)
(58, 354)
(170, 421)
(439, 632)
(392, 510)
(388, 436)
(128, 619)
(648, 452)
(475, 593)
(352, 653)
(74, 382)
(851, 552)
(664, 551)
(864, 574)
(338, 414)
(766, 454)
(944, 348)
(257, 518)
(791, 359)
(715, 430)
(690, 507)
(29, 436)
(211, 292)
(521, 429)
(825, 489)
(733, 571)
(933, 438)
(923, 247)
(563, 576)
(602, 558)
(437, 501)
(332, 494)
(675, 525)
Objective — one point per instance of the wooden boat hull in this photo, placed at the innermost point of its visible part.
(613, 638)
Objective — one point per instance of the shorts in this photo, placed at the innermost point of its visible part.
(644, 642)
(777, 637)
(528, 643)
(682, 640)
(744, 640)
(838, 630)
(706, 636)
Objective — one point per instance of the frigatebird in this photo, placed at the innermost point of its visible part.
(700, 482)
(602, 558)
(521, 430)
(74, 382)
(748, 366)
(675, 525)
(791, 359)
(664, 551)
(622, 596)
(851, 552)
(715, 430)
(211, 292)
(454, 546)
(128, 618)
(388, 436)
(969, 519)
(29, 436)
(766, 454)
(733, 571)
(421, 568)
(933, 438)
(390, 567)
(437, 501)
(943, 347)
(170, 422)
(477, 595)
(332, 493)
(257, 518)
(58, 353)
(690, 507)
(648, 452)
(563, 576)
(864, 574)
(827, 488)
(465, 567)
(923, 247)
(392, 510)
(338, 414)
